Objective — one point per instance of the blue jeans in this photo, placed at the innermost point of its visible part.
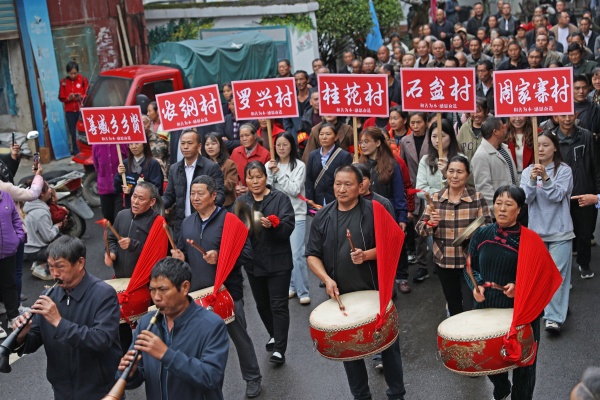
(72, 118)
(299, 282)
(562, 254)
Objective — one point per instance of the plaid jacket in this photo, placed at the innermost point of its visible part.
(454, 219)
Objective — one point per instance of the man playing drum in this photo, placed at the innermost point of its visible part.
(206, 228)
(329, 256)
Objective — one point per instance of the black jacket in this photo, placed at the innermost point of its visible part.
(152, 173)
(306, 124)
(194, 362)
(322, 241)
(507, 66)
(271, 247)
(209, 238)
(83, 351)
(135, 228)
(588, 114)
(226, 129)
(324, 189)
(11, 166)
(579, 154)
(177, 187)
(489, 97)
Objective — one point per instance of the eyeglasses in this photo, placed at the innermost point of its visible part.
(364, 142)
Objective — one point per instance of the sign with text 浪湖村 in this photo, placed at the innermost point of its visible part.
(534, 92)
(106, 125)
(353, 95)
(190, 108)
(438, 89)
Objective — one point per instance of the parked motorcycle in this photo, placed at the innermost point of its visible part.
(69, 192)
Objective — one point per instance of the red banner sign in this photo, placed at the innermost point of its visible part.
(190, 108)
(353, 94)
(438, 89)
(265, 98)
(534, 92)
(105, 125)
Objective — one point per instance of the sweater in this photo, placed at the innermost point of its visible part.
(11, 228)
(40, 229)
(292, 184)
(549, 203)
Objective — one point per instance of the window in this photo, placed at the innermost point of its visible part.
(153, 88)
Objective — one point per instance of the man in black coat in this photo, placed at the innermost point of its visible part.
(183, 173)
(205, 227)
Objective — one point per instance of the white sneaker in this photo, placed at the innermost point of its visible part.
(41, 273)
(2, 333)
(35, 264)
(305, 300)
(2, 308)
(291, 294)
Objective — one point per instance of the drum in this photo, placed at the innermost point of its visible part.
(471, 343)
(353, 336)
(137, 304)
(223, 307)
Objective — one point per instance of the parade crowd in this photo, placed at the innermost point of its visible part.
(302, 203)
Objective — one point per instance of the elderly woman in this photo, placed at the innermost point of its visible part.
(454, 208)
(250, 150)
(270, 272)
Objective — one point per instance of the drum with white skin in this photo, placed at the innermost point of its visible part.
(351, 335)
(136, 304)
(471, 343)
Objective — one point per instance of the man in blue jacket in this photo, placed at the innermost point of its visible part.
(183, 356)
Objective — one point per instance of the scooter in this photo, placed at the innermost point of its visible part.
(69, 192)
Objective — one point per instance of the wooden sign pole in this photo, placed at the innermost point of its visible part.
(355, 131)
(121, 163)
(270, 139)
(536, 155)
(440, 135)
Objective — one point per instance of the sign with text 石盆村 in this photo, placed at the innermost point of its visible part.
(116, 125)
(534, 92)
(438, 89)
(190, 108)
(353, 94)
(265, 98)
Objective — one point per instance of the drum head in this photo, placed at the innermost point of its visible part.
(476, 324)
(119, 284)
(361, 307)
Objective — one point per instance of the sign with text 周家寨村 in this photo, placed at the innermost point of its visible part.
(265, 98)
(113, 125)
(534, 92)
(190, 108)
(438, 89)
(353, 95)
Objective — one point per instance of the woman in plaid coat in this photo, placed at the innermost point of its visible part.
(454, 208)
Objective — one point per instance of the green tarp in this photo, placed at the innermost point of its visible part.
(221, 59)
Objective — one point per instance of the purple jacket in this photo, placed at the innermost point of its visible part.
(106, 162)
(11, 227)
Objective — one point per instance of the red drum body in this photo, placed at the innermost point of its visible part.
(137, 302)
(471, 343)
(353, 336)
(223, 306)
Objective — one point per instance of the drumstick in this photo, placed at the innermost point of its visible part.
(493, 285)
(194, 245)
(342, 307)
(349, 236)
(429, 201)
(166, 228)
(106, 242)
(114, 231)
(470, 273)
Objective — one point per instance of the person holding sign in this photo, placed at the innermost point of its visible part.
(344, 139)
(140, 166)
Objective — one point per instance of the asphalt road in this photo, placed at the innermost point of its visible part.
(307, 375)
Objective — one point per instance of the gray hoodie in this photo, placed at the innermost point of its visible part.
(40, 229)
(549, 214)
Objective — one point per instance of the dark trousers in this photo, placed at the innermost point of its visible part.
(111, 204)
(271, 296)
(456, 291)
(582, 219)
(19, 269)
(39, 256)
(402, 270)
(243, 344)
(72, 118)
(8, 286)
(358, 379)
(125, 337)
(523, 378)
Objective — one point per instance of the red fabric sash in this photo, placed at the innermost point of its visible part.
(537, 281)
(389, 238)
(232, 242)
(155, 248)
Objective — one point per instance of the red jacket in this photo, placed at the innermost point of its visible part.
(238, 155)
(78, 86)
(527, 154)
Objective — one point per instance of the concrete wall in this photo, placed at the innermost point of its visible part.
(23, 121)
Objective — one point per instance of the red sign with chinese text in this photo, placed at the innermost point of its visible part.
(438, 89)
(265, 98)
(105, 125)
(353, 94)
(190, 108)
(534, 92)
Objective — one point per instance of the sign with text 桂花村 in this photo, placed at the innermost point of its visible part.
(534, 92)
(353, 94)
(265, 98)
(106, 125)
(438, 89)
(190, 108)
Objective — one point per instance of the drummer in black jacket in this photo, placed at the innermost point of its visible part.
(271, 271)
(329, 257)
(205, 227)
